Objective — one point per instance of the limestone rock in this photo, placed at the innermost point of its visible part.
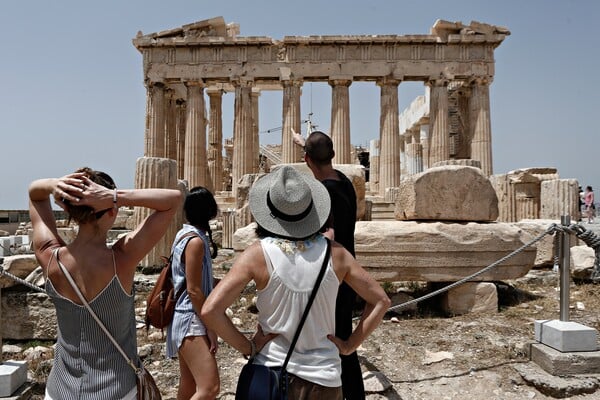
(449, 193)
(20, 265)
(471, 297)
(582, 262)
(440, 252)
(532, 228)
(35, 313)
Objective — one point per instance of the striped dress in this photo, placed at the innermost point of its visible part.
(86, 363)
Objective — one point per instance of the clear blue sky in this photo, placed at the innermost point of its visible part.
(72, 93)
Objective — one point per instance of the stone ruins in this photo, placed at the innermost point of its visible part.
(429, 209)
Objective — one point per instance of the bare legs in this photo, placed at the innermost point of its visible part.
(199, 375)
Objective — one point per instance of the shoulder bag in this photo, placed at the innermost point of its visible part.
(259, 382)
(146, 386)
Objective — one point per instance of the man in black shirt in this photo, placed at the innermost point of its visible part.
(319, 152)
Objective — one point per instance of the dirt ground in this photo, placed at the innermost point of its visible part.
(423, 353)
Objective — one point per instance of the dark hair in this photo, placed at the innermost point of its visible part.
(200, 207)
(589, 188)
(319, 148)
(85, 214)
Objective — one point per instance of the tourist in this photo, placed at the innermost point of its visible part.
(318, 155)
(86, 363)
(590, 207)
(187, 337)
(291, 209)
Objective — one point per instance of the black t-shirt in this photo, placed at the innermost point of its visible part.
(343, 209)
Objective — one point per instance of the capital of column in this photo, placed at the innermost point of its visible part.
(242, 81)
(438, 82)
(255, 91)
(292, 83)
(481, 80)
(199, 83)
(344, 80)
(155, 84)
(388, 81)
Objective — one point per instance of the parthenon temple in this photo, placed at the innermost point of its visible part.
(209, 58)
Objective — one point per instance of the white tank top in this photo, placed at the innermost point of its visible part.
(293, 269)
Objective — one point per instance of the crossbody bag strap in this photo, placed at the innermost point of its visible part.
(93, 314)
(313, 294)
(182, 288)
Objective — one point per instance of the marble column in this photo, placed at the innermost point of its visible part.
(389, 154)
(180, 135)
(424, 139)
(155, 120)
(340, 120)
(439, 149)
(374, 165)
(242, 133)
(481, 144)
(414, 155)
(290, 152)
(195, 164)
(403, 162)
(157, 172)
(255, 137)
(215, 140)
(171, 126)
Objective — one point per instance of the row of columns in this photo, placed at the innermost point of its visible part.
(176, 129)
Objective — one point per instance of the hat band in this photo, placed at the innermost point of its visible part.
(275, 213)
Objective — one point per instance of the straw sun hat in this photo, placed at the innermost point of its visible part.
(289, 203)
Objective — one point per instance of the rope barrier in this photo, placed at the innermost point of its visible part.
(587, 236)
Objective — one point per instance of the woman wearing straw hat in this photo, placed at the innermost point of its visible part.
(290, 210)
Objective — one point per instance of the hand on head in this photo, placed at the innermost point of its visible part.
(69, 187)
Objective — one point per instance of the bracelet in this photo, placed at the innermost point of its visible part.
(252, 350)
(115, 197)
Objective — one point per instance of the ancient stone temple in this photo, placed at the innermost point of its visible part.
(185, 68)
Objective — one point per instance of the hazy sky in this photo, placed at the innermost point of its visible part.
(73, 93)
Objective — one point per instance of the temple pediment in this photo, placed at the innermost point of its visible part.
(213, 27)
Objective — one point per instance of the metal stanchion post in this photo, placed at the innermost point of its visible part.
(565, 269)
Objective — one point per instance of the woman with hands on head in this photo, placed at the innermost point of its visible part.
(290, 210)
(86, 363)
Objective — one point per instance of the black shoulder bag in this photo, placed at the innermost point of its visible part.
(259, 382)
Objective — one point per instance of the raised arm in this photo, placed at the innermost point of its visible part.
(45, 234)
(377, 301)
(137, 243)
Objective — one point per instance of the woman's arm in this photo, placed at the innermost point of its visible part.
(225, 293)
(377, 301)
(45, 234)
(137, 243)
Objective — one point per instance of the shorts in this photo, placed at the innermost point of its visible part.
(196, 327)
(302, 389)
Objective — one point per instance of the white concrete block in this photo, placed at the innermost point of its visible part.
(13, 374)
(566, 336)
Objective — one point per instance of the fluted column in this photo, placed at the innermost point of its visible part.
(290, 152)
(242, 133)
(340, 120)
(479, 108)
(155, 120)
(389, 154)
(195, 164)
(180, 135)
(171, 126)
(439, 149)
(414, 155)
(156, 172)
(215, 140)
(374, 165)
(424, 139)
(255, 93)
